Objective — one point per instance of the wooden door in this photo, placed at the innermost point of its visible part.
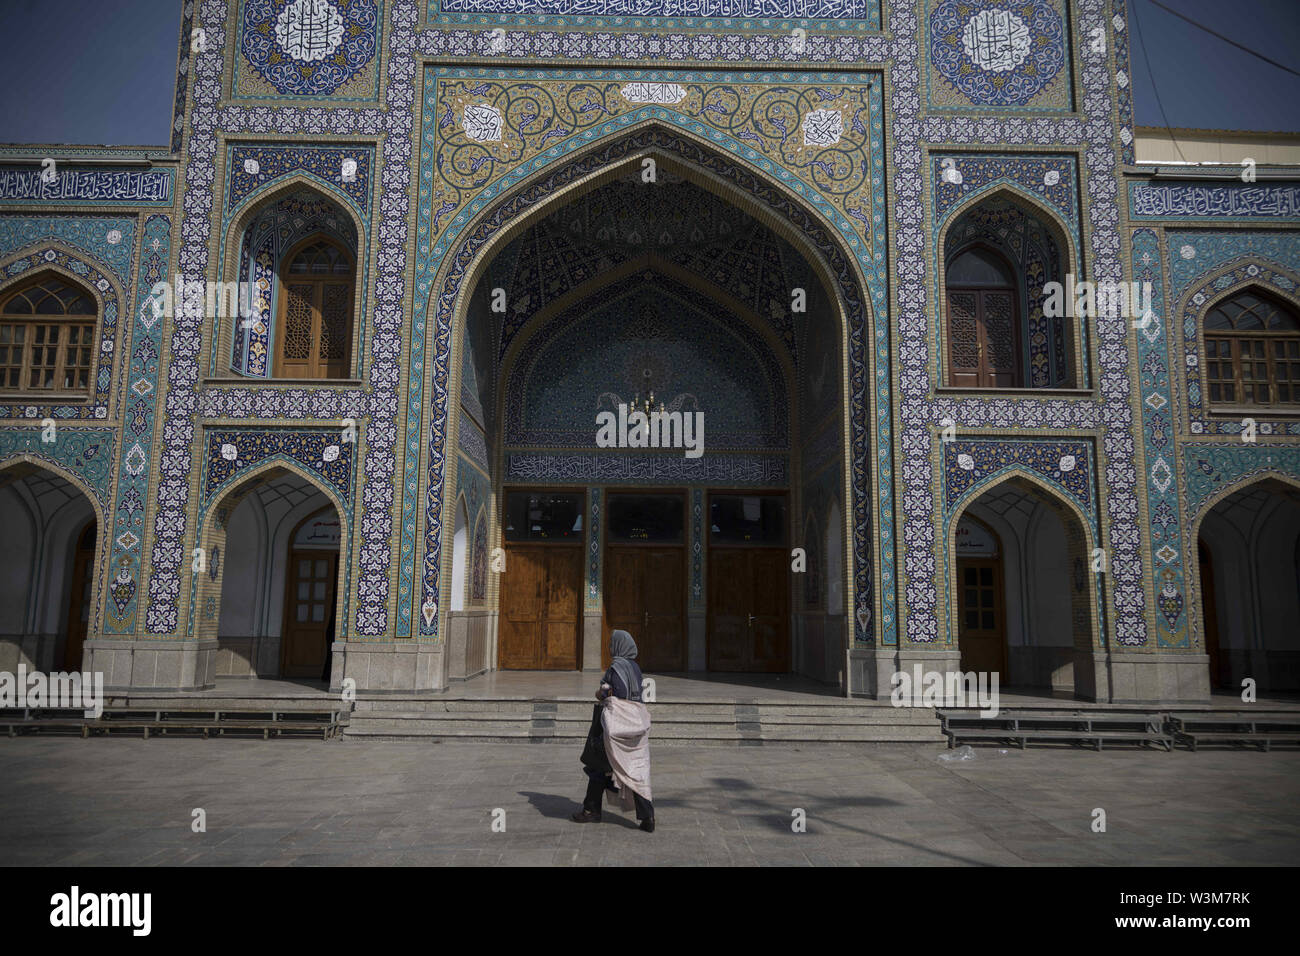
(309, 612)
(1210, 617)
(83, 572)
(980, 614)
(645, 595)
(748, 619)
(983, 338)
(316, 336)
(769, 630)
(541, 608)
(315, 318)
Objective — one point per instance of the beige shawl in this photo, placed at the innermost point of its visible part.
(627, 744)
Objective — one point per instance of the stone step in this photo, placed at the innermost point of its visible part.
(909, 725)
(692, 721)
(477, 733)
(582, 708)
(317, 703)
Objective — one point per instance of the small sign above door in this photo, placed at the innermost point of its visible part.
(322, 531)
(975, 540)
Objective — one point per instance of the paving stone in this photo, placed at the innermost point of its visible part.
(311, 803)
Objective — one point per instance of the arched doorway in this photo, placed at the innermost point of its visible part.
(47, 569)
(1021, 594)
(1250, 602)
(271, 585)
(981, 599)
(686, 296)
(311, 596)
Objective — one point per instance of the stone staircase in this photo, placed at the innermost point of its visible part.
(1021, 726)
(179, 716)
(673, 723)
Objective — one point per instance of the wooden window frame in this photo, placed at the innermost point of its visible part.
(787, 529)
(284, 278)
(635, 491)
(1017, 318)
(90, 322)
(1236, 340)
(582, 491)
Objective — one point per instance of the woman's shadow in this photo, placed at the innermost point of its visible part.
(561, 808)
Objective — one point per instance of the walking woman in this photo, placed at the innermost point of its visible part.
(625, 729)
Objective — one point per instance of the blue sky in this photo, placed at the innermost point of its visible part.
(1203, 82)
(102, 71)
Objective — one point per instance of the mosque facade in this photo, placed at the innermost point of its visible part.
(814, 337)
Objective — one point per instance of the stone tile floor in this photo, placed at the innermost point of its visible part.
(123, 801)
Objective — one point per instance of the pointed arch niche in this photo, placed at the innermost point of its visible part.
(589, 244)
(1021, 596)
(1250, 337)
(999, 252)
(271, 589)
(1248, 583)
(47, 568)
(298, 251)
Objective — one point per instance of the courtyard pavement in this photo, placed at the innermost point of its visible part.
(121, 801)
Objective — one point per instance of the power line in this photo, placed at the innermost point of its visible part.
(1137, 19)
(1215, 33)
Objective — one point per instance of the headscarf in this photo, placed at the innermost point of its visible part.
(622, 645)
(623, 651)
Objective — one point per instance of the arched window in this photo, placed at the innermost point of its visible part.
(983, 320)
(47, 329)
(316, 305)
(1252, 351)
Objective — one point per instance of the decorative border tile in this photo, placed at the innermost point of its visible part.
(232, 452)
(1097, 134)
(359, 42)
(656, 16)
(450, 195)
(595, 504)
(131, 503)
(87, 187)
(1181, 202)
(254, 169)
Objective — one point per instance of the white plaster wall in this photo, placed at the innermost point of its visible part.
(459, 551)
(37, 559)
(834, 563)
(1277, 530)
(62, 529)
(1231, 562)
(17, 558)
(1048, 581)
(1013, 570)
(244, 563)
